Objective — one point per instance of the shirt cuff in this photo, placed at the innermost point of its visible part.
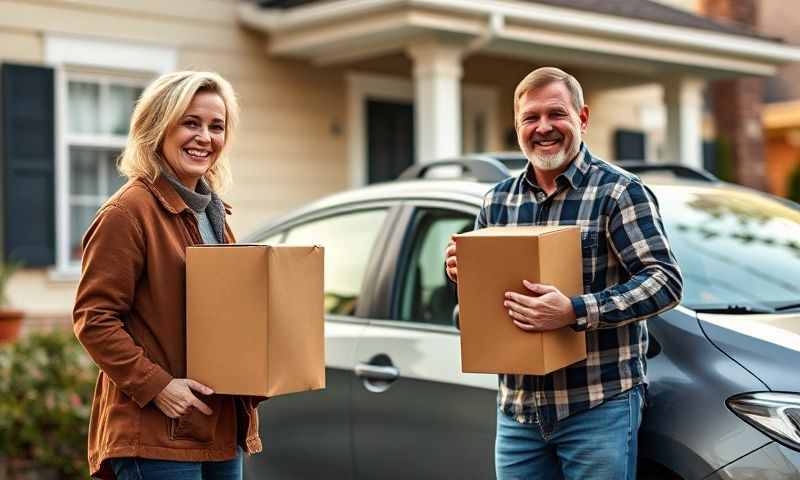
(587, 312)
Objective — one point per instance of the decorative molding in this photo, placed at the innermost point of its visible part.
(90, 52)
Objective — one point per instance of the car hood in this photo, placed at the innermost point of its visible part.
(767, 345)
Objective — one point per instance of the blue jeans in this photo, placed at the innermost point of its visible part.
(146, 469)
(597, 444)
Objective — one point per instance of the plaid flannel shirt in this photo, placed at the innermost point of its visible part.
(629, 274)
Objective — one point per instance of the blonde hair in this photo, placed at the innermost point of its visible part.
(544, 76)
(160, 107)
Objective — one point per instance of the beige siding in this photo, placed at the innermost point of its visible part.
(23, 47)
(78, 18)
(290, 148)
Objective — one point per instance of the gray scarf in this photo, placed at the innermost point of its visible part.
(200, 200)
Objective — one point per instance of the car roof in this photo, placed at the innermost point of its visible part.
(471, 192)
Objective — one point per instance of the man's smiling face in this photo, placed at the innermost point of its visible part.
(549, 129)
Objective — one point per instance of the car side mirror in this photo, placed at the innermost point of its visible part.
(455, 318)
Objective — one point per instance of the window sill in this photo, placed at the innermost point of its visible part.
(64, 275)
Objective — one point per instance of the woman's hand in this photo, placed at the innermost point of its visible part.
(177, 398)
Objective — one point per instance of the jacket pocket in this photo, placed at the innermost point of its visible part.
(193, 426)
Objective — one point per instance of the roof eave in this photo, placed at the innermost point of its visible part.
(741, 53)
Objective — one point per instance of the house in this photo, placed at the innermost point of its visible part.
(335, 94)
(781, 113)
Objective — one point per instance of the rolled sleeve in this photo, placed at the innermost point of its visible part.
(636, 236)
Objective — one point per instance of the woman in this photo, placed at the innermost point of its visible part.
(148, 421)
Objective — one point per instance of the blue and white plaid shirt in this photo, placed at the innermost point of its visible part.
(629, 274)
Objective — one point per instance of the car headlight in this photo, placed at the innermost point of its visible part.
(777, 415)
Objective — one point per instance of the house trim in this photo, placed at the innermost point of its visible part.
(294, 30)
(361, 87)
(476, 100)
(61, 53)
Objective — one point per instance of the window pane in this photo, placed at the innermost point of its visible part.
(80, 218)
(84, 178)
(84, 107)
(88, 176)
(114, 179)
(348, 240)
(122, 100)
(427, 296)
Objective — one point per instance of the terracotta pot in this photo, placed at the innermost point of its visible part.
(10, 323)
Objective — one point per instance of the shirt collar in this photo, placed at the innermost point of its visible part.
(574, 174)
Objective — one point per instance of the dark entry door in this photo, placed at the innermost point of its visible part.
(390, 134)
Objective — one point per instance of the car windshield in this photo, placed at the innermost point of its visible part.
(737, 249)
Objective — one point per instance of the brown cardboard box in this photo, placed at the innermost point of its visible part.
(255, 319)
(495, 260)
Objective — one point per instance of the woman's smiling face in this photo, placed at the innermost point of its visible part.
(194, 143)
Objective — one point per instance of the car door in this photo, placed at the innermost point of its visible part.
(415, 415)
(308, 435)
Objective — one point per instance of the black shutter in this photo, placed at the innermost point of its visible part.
(629, 145)
(27, 158)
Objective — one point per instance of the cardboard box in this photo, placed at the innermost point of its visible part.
(255, 319)
(495, 260)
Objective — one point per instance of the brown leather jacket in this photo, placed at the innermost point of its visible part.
(130, 316)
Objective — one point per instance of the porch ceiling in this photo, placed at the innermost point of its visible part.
(346, 30)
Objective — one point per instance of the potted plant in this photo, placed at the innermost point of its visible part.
(46, 386)
(10, 319)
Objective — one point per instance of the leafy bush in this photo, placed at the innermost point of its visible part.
(6, 270)
(46, 386)
(793, 186)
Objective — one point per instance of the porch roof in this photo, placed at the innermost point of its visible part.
(640, 10)
(641, 36)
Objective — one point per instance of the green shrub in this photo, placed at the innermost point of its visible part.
(725, 169)
(46, 387)
(793, 186)
(6, 270)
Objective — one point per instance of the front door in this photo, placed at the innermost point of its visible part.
(390, 139)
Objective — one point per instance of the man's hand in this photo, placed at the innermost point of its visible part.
(450, 261)
(546, 309)
(177, 398)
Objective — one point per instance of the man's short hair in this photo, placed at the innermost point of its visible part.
(544, 76)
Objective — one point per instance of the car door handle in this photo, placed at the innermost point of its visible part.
(376, 372)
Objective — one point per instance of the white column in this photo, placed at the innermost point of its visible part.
(684, 101)
(437, 100)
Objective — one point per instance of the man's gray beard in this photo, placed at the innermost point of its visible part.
(555, 160)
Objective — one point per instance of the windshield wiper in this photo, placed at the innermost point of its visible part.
(790, 306)
(735, 310)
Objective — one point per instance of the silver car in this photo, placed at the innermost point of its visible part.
(724, 366)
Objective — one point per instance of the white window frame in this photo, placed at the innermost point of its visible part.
(67, 54)
(99, 140)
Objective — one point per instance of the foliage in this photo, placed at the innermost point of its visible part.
(793, 186)
(46, 387)
(6, 270)
(723, 161)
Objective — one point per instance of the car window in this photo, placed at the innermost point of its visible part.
(348, 240)
(426, 295)
(734, 247)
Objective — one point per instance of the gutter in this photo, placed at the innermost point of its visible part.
(497, 23)
(556, 18)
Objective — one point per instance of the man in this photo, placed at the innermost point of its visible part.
(580, 422)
